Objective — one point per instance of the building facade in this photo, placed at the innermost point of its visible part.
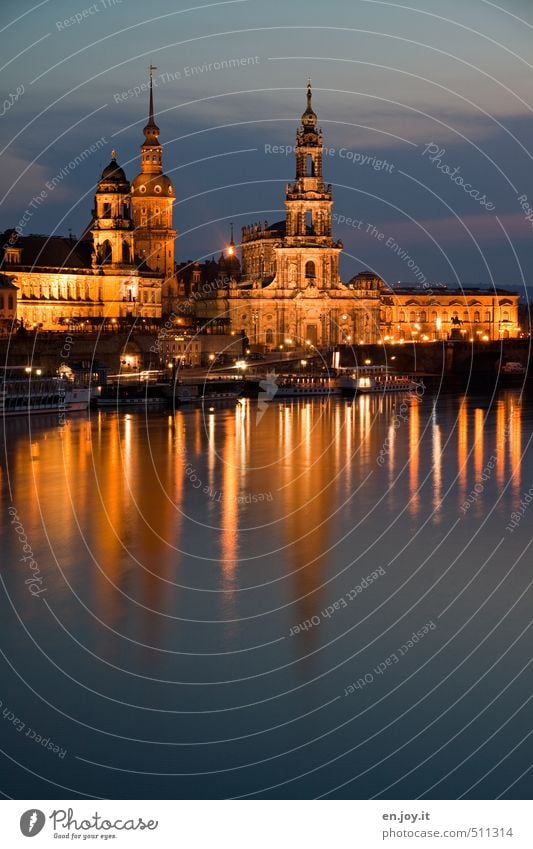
(472, 314)
(117, 270)
(289, 292)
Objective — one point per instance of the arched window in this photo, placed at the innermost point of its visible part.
(445, 315)
(433, 316)
(401, 316)
(487, 315)
(310, 269)
(506, 315)
(465, 315)
(412, 317)
(477, 317)
(125, 252)
(310, 169)
(423, 316)
(106, 253)
(269, 336)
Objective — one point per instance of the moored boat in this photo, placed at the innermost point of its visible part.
(375, 379)
(297, 387)
(33, 393)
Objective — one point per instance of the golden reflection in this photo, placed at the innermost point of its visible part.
(307, 496)
(229, 519)
(462, 449)
(515, 446)
(501, 443)
(437, 466)
(414, 456)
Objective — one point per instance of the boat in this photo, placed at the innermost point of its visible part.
(32, 393)
(207, 390)
(375, 379)
(304, 387)
(127, 395)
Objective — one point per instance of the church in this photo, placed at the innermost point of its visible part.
(289, 292)
(117, 270)
(286, 293)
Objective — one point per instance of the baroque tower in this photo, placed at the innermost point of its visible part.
(152, 197)
(112, 227)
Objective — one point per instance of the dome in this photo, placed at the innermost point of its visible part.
(115, 175)
(366, 280)
(152, 185)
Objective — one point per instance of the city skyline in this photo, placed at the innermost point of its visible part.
(227, 116)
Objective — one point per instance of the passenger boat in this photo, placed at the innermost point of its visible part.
(32, 393)
(128, 395)
(376, 379)
(207, 390)
(299, 387)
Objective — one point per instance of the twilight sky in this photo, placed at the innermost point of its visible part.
(389, 79)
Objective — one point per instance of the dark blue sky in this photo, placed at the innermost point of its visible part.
(389, 79)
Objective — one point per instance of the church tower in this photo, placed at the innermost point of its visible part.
(112, 227)
(308, 200)
(152, 196)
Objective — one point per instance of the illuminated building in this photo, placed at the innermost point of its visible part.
(289, 292)
(472, 314)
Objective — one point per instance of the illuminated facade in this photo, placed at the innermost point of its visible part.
(119, 266)
(290, 292)
(471, 314)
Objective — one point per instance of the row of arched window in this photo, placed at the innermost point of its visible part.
(422, 316)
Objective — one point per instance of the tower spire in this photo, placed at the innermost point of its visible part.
(309, 117)
(151, 131)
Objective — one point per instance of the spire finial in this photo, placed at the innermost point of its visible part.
(232, 242)
(151, 122)
(114, 155)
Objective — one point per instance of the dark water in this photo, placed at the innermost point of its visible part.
(174, 559)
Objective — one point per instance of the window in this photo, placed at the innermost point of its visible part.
(125, 252)
(269, 337)
(412, 317)
(423, 316)
(445, 315)
(106, 253)
(401, 316)
(487, 315)
(477, 317)
(466, 316)
(310, 166)
(106, 211)
(1, 302)
(310, 269)
(433, 316)
(506, 315)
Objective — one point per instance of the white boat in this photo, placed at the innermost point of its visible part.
(34, 394)
(376, 379)
(299, 387)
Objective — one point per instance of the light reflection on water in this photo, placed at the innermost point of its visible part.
(179, 552)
